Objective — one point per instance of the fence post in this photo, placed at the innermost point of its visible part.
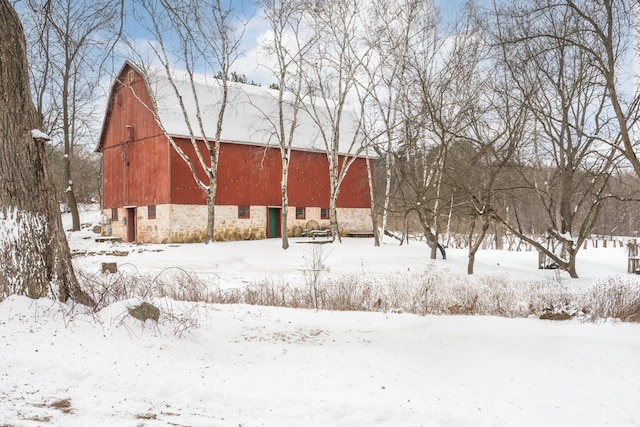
(541, 260)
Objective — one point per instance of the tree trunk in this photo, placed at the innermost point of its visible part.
(34, 252)
(332, 157)
(568, 266)
(66, 123)
(405, 228)
(374, 216)
(285, 204)
(333, 221)
(432, 238)
(211, 214)
(474, 246)
(571, 268)
(387, 190)
(470, 264)
(71, 197)
(499, 238)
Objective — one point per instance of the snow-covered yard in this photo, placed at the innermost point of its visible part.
(241, 365)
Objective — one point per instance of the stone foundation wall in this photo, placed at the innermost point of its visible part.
(111, 227)
(354, 220)
(312, 216)
(229, 227)
(188, 223)
(152, 230)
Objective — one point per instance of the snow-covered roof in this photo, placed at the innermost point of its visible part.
(250, 117)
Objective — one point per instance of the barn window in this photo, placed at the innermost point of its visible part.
(114, 214)
(244, 212)
(151, 212)
(129, 132)
(324, 213)
(300, 214)
(130, 77)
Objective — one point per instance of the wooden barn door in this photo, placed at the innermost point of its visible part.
(131, 224)
(273, 222)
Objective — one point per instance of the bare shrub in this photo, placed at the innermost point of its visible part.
(183, 317)
(430, 292)
(349, 293)
(157, 295)
(266, 294)
(174, 283)
(314, 259)
(615, 297)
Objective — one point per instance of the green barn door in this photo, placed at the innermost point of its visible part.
(273, 223)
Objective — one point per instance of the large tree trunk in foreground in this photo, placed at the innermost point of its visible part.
(34, 254)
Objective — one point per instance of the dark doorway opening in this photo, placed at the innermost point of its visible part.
(131, 224)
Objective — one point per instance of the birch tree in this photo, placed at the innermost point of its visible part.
(198, 36)
(391, 29)
(287, 46)
(333, 70)
(441, 66)
(34, 253)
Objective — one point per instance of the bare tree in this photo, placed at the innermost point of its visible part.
(288, 48)
(70, 40)
(334, 65)
(441, 66)
(569, 164)
(484, 158)
(391, 28)
(372, 196)
(196, 35)
(34, 253)
(608, 36)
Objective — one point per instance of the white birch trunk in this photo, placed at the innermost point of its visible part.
(374, 215)
(285, 200)
(387, 190)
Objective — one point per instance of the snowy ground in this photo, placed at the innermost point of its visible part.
(240, 365)
(232, 264)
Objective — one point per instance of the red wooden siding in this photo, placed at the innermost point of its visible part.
(247, 175)
(141, 150)
(354, 191)
(250, 175)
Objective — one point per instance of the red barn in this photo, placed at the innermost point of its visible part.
(149, 194)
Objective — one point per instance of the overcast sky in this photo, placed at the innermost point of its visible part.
(253, 65)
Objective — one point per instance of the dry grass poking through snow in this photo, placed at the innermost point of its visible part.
(430, 292)
(616, 298)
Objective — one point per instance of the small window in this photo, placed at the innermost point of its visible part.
(151, 212)
(300, 214)
(129, 132)
(114, 214)
(244, 212)
(324, 213)
(130, 77)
